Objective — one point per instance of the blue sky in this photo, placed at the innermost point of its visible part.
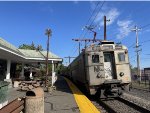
(24, 22)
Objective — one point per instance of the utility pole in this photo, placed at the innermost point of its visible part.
(48, 33)
(79, 47)
(69, 57)
(105, 20)
(136, 29)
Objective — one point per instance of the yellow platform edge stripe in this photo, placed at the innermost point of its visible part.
(84, 104)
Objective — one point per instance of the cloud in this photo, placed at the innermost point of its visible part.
(111, 14)
(123, 28)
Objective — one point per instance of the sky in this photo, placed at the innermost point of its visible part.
(24, 22)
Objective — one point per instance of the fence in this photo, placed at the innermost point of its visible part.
(141, 82)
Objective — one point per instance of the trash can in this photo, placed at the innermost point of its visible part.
(34, 102)
(3, 93)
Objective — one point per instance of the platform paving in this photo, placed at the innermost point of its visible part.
(60, 100)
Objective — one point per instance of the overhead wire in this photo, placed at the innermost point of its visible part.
(89, 21)
(95, 16)
(144, 26)
(129, 27)
(123, 33)
(98, 12)
(131, 45)
(92, 13)
(133, 12)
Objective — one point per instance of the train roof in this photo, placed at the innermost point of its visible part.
(103, 43)
(107, 42)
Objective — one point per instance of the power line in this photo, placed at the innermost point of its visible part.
(90, 17)
(92, 13)
(75, 51)
(123, 33)
(69, 58)
(145, 26)
(142, 41)
(132, 56)
(98, 12)
(88, 21)
(95, 16)
(93, 19)
(145, 41)
(131, 45)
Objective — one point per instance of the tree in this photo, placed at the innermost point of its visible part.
(31, 47)
(39, 48)
(61, 69)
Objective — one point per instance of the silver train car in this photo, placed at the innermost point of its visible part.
(103, 69)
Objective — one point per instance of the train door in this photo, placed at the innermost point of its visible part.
(108, 65)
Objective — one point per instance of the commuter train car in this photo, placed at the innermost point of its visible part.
(103, 69)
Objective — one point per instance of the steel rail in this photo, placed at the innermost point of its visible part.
(133, 105)
(126, 102)
(107, 107)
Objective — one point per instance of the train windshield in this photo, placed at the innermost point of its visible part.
(95, 58)
(121, 57)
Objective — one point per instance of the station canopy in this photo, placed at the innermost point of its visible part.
(9, 51)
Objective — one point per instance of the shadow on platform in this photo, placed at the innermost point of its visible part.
(62, 85)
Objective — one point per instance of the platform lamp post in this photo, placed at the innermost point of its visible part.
(48, 33)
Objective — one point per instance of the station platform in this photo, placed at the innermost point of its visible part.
(60, 100)
(67, 98)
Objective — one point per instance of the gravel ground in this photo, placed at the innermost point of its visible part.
(120, 107)
(140, 93)
(141, 98)
(137, 100)
(100, 108)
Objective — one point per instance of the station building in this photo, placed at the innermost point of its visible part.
(11, 55)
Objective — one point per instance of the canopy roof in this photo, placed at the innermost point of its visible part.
(9, 51)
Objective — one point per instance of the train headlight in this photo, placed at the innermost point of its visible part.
(99, 75)
(126, 51)
(121, 74)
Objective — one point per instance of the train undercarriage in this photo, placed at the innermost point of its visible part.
(113, 88)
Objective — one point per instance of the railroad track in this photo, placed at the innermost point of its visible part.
(134, 106)
(119, 105)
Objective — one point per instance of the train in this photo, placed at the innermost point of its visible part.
(103, 69)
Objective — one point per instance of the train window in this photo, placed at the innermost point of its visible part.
(121, 57)
(107, 57)
(95, 58)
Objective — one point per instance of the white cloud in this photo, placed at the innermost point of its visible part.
(123, 28)
(110, 13)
